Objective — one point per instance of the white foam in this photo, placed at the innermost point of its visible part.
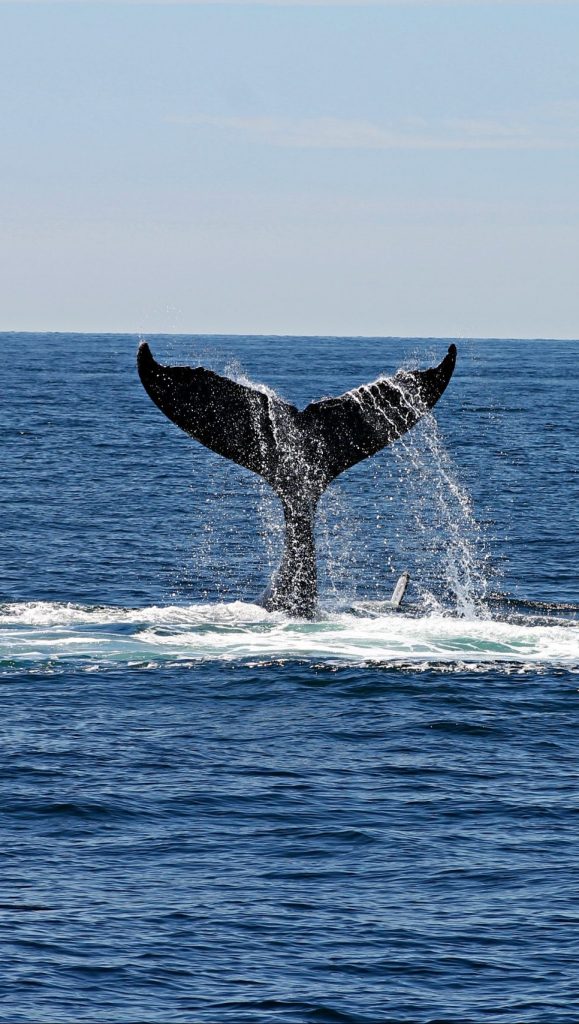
(244, 632)
(52, 613)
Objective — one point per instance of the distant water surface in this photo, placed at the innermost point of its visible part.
(213, 814)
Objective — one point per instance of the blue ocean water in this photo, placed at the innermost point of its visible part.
(213, 814)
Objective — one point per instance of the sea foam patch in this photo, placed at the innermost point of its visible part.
(42, 631)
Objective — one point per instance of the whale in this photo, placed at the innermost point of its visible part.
(298, 453)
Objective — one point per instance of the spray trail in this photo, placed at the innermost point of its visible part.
(449, 536)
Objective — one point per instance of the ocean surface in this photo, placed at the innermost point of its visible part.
(214, 814)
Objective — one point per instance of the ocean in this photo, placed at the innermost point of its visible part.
(215, 814)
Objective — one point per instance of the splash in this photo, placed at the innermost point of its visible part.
(451, 543)
(426, 518)
(54, 636)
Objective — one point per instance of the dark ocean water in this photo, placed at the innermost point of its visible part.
(212, 814)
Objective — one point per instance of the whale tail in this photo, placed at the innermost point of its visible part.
(291, 449)
(298, 453)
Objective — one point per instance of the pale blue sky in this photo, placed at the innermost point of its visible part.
(383, 169)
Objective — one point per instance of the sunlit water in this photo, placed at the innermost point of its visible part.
(211, 813)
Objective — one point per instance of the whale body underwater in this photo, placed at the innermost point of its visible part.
(297, 453)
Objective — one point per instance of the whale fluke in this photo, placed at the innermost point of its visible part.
(363, 421)
(298, 453)
(232, 419)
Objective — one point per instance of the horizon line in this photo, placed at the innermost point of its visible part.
(342, 337)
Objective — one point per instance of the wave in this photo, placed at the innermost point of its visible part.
(366, 634)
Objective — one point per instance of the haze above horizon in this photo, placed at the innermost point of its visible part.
(397, 169)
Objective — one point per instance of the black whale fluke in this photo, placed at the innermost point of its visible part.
(298, 453)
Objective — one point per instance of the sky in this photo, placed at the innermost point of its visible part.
(381, 168)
